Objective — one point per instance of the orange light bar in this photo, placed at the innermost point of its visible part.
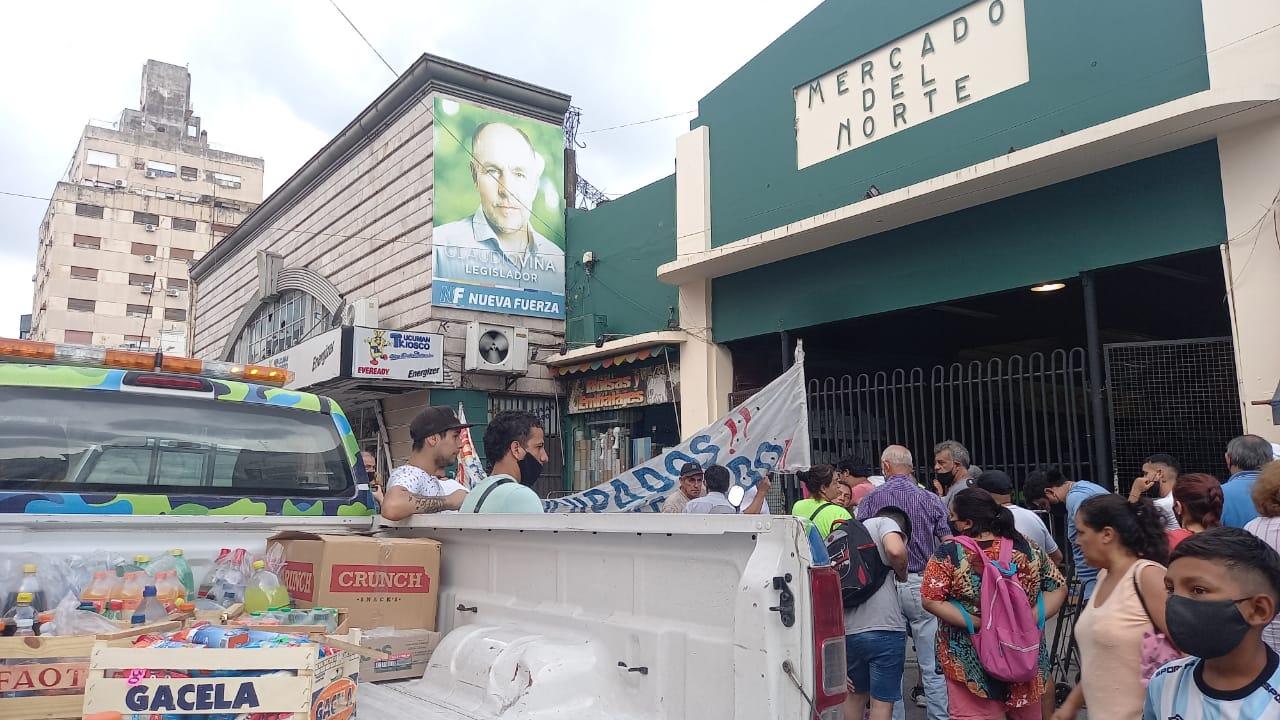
(130, 360)
(145, 361)
(31, 349)
(184, 365)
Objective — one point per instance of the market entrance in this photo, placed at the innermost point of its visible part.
(1009, 374)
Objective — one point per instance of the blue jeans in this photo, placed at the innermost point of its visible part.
(924, 630)
(876, 659)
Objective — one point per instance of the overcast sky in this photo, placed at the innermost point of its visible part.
(278, 78)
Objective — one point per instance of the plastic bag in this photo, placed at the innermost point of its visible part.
(68, 620)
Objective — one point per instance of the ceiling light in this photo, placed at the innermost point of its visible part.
(1048, 287)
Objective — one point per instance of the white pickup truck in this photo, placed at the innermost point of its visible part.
(578, 616)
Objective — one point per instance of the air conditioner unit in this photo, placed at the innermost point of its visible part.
(497, 349)
(121, 184)
(151, 173)
(148, 258)
(171, 292)
(149, 227)
(147, 289)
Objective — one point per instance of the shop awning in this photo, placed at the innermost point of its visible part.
(615, 352)
(1176, 124)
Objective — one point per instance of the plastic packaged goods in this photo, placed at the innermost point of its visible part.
(22, 616)
(99, 589)
(264, 590)
(183, 570)
(130, 594)
(29, 584)
(151, 608)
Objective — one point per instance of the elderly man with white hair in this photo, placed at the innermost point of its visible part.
(929, 528)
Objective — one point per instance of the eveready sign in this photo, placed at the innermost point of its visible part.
(299, 580)
(379, 578)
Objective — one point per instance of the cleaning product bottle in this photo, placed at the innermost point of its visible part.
(150, 608)
(264, 591)
(98, 591)
(183, 570)
(131, 592)
(169, 590)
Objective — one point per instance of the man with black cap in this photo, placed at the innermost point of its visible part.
(1027, 522)
(420, 486)
(692, 486)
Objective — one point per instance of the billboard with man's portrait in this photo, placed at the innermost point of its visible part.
(498, 236)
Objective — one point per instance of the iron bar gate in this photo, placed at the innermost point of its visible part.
(1015, 413)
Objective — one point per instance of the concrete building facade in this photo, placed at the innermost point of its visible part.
(347, 241)
(1046, 232)
(140, 202)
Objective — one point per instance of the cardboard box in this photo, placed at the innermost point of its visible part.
(382, 582)
(408, 651)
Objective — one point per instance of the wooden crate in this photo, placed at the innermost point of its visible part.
(312, 686)
(56, 664)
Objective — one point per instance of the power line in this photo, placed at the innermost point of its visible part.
(362, 37)
(638, 122)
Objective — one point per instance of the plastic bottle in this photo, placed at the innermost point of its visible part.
(130, 595)
(46, 626)
(30, 584)
(183, 570)
(150, 609)
(169, 590)
(114, 611)
(98, 591)
(22, 616)
(207, 588)
(264, 591)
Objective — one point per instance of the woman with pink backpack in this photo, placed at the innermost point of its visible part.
(992, 590)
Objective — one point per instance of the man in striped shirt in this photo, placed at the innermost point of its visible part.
(928, 517)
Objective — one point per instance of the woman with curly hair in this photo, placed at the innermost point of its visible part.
(1197, 503)
(1266, 497)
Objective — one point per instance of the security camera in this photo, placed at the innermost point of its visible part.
(599, 341)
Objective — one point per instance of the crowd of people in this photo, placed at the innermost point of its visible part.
(1175, 586)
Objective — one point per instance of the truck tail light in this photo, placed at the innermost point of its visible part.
(829, 669)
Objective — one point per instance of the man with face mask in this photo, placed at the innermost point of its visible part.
(517, 443)
(951, 470)
(1224, 588)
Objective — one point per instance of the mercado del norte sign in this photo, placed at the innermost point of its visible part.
(968, 56)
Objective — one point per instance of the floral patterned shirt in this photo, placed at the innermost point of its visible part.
(953, 573)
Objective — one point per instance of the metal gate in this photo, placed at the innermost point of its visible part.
(1177, 396)
(1015, 413)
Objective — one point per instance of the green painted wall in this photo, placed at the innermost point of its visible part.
(630, 237)
(1163, 205)
(1090, 61)
(476, 405)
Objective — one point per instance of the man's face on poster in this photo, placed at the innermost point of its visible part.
(506, 171)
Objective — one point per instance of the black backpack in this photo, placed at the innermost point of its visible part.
(856, 558)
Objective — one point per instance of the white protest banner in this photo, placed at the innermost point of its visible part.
(769, 432)
(468, 460)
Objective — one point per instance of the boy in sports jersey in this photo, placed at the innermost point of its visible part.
(1224, 588)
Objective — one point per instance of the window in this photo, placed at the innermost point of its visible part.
(140, 280)
(192, 131)
(225, 180)
(223, 229)
(159, 169)
(184, 224)
(142, 249)
(76, 337)
(138, 311)
(188, 173)
(279, 325)
(83, 273)
(86, 210)
(88, 242)
(79, 305)
(181, 253)
(179, 283)
(142, 218)
(139, 340)
(175, 314)
(102, 159)
(85, 441)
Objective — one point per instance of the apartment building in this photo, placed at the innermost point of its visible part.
(142, 199)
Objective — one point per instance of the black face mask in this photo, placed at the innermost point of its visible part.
(945, 479)
(1187, 620)
(530, 469)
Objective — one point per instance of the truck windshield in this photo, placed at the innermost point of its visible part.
(76, 440)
